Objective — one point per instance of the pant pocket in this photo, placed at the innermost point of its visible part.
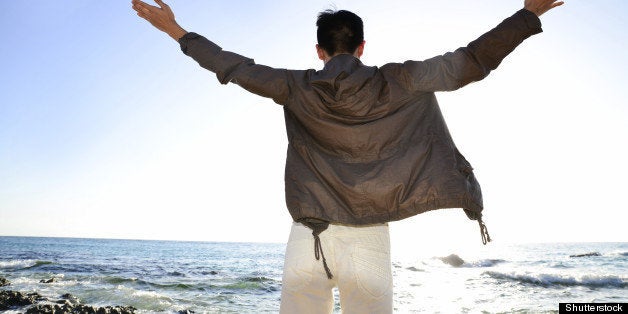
(371, 262)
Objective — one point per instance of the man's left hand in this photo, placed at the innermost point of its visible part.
(539, 7)
(161, 17)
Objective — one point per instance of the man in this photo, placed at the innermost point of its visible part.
(367, 145)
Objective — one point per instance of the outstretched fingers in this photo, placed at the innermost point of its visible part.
(146, 10)
(145, 7)
(541, 6)
(142, 8)
(160, 17)
(558, 3)
(161, 4)
(550, 4)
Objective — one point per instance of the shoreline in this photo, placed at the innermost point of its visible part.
(33, 302)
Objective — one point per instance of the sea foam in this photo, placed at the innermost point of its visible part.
(17, 264)
(548, 280)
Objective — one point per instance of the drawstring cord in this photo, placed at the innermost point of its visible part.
(318, 253)
(484, 232)
(318, 226)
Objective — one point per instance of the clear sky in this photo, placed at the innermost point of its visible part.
(108, 130)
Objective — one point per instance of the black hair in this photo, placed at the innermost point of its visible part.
(339, 31)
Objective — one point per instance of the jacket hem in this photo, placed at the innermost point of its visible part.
(472, 209)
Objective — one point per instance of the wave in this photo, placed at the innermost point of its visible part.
(485, 263)
(594, 254)
(618, 253)
(588, 254)
(252, 283)
(132, 281)
(120, 280)
(560, 264)
(115, 280)
(22, 264)
(548, 280)
(39, 263)
(257, 279)
(175, 285)
(16, 263)
(241, 283)
(152, 301)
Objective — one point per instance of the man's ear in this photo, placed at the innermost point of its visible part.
(321, 53)
(360, 50)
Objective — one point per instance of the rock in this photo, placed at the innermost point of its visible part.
(586, 254)
(85, 309)
(70, 299)
(12, 299)
(453, 260)
(115, 310)
(51, 280)
(68, 308)
(4, 282)
(50, 308)
(185, 312)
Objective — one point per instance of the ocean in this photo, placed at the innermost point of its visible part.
(215, 277)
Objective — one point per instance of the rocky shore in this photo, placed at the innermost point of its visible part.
(34, 303)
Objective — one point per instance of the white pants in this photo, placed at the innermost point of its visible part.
(359, 259)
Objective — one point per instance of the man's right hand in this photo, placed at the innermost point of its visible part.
(539, 7)
(162, 18)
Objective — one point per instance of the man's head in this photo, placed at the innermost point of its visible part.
(339, 32)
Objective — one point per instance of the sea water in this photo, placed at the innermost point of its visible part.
(213, 277)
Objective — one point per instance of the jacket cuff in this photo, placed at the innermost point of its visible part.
(184, 40)
(531, 19)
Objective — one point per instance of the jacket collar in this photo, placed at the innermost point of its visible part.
(342, 63)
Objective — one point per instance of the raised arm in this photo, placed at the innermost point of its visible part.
(475, 61)
(229, 67)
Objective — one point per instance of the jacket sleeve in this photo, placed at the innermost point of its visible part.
(473, 62)
(230, 67)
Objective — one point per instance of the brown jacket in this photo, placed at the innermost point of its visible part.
(369, 144)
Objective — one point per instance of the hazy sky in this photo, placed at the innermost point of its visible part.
(108, 130)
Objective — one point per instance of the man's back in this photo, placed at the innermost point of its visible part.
(366, 146)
